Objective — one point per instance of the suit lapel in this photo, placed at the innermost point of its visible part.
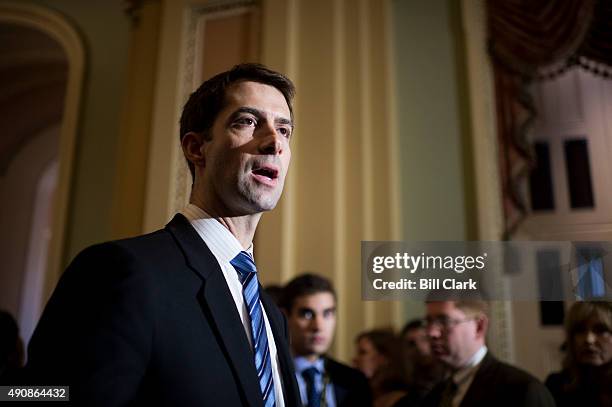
(340, 388)
(479, 384)
(287, 368)
(219, 308)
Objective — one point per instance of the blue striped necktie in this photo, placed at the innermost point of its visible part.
(245, 266)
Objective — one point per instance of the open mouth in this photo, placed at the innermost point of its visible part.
(267, 171)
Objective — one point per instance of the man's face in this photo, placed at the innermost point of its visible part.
(593, 343)
(454, 336)
(312, 321)
(247, 154)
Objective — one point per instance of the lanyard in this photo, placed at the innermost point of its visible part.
(323, 395)
(326, 381)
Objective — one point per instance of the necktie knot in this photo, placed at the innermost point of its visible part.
(244, 264)
(448, 395)
(310, 374)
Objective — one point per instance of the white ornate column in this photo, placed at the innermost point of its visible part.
(485, 153)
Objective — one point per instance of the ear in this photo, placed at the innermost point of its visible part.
(193, 147)
(482, 325)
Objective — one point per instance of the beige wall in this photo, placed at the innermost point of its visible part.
(342, 186)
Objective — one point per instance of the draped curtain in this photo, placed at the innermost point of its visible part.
(533, 40)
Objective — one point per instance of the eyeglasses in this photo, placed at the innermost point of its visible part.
(443, 323)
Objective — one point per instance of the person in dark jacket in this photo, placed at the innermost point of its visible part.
(586, 378)
(309, 301)
(177, 317)
(457, 331)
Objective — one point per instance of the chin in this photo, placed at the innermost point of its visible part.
(321, 350)
(259, 202)
(264, 204)
(268, 206)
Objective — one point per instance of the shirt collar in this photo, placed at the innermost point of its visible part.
(217, 237)
(470, 367)
(301, 364)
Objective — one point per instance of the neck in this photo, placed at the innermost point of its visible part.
(242, 227)
(311, 357)
(464, 363)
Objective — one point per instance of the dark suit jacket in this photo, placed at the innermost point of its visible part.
(591, 387)
(350, 385)
(151, 321)
(500, 385)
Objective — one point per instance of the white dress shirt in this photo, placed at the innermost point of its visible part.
(464, 377)
(224, 246)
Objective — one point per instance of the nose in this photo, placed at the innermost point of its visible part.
(271, 142)
(315, 323)
(433, 331)
(590, 337)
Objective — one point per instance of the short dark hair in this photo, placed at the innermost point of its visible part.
(305, 284)
(412, 325)
(208, 100)
(275, 292)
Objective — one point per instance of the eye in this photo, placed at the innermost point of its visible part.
(284, 131)
(580, 328)
(307, 314)
(245, 121)
(600, 329)
(442, 321)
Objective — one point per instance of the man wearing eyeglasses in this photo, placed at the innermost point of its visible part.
(457, 332)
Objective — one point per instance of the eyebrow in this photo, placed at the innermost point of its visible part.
(259, 115)
(302, 309)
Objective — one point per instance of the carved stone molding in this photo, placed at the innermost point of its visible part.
(484, 144)
(133, 9)
(189, 81)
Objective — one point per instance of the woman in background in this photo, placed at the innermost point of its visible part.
(379, 359)
(587, 369)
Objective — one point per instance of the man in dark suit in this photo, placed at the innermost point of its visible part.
(457, 331)
(177, 317)
(309, 301)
